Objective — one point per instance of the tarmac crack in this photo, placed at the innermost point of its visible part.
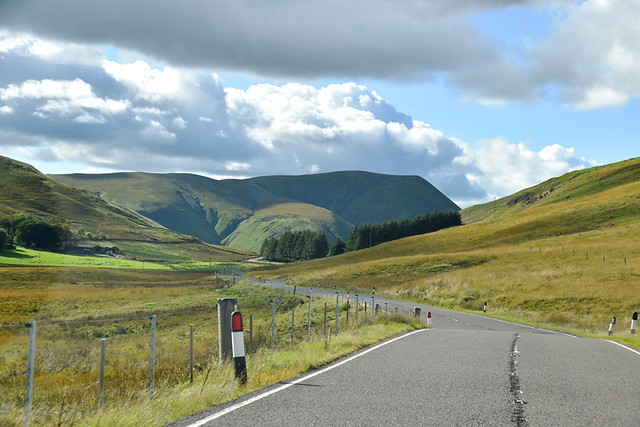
(518, 416)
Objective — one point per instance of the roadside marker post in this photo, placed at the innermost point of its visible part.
(484, 310)
(429, 318)
(237, 344)
(613, 322)
(634, 321)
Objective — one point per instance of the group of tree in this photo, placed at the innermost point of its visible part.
(31, 232)
(367, 235)
(295, 246)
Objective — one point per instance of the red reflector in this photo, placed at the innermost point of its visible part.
(429, 315)
(236, 320)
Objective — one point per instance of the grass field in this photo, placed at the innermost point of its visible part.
(570, 262)
(77, 307)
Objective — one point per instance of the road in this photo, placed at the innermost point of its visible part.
(467, 370)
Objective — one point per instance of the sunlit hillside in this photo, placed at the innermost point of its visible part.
(569, 256)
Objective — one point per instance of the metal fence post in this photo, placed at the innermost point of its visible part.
(356, 307)
(309, 321)
(337, 308)
(251, 331)
(293, 315)
(152, 356)
(324, 323)
(273, 324)
(103, 345)
(30, 369)
(191, 353)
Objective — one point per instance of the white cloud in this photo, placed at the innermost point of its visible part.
(139, 117)
(64, 97)
(594, 54)
(502, 168)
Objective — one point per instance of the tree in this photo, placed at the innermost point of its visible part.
(338, 247)
(4, 237)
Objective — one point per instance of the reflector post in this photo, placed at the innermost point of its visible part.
(236, 321)
(237, 343)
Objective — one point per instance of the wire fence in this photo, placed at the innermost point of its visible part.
(49, 367)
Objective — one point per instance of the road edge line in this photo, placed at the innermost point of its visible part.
(624, 346)
(239, 405)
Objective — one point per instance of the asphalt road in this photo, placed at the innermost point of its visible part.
(467, 370)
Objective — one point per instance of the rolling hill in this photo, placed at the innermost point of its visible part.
(565, 253)
(91, 218)
(243, 213)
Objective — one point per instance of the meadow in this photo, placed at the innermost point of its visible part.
(570, 264)
(78, 307)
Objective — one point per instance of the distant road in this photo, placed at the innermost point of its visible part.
(467, 370)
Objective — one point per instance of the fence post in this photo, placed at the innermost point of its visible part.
(273, 323)
(356, 307)
(225, 308)
(251, 331)
(293, 315)
(152, 356)
(337, 308)
(30, 369)
(309, 321)
(191, 353)
(103, 345)
(325, 318)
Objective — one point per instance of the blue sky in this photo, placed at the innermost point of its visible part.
(480, 97)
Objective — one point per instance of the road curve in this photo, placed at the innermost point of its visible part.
(467, 370)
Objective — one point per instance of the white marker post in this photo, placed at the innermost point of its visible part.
(429, 318)
(237, 344)
(484, 310)
(634, 321)
(613, 322)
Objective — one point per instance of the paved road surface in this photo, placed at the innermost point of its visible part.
(468, 370)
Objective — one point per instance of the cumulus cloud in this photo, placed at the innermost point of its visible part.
(108, 115)
(585, 66)
(593, 57)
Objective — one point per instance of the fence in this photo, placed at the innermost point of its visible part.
(63, 369)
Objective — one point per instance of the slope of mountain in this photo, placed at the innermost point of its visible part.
(565, 252)
(24, 189)
(242, 213)
(361, 197)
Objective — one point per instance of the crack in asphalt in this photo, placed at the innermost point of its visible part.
(518, 416)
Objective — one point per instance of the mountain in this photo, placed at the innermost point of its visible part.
(564, 252)
(90, 217)
(242, 213)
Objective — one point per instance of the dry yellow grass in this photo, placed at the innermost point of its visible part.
(570, 264)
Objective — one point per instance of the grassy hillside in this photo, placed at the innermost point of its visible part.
(362, 197)
(92, 219)
(270, 221)
(242, 213)
(570, 258)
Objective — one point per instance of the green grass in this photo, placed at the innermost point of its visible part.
(570, 260)
(77, 307)
(30, 257)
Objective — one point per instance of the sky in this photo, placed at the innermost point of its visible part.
(482, 98)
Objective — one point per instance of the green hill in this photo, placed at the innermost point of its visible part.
(242, 213)
(92, 219)
(565, 252)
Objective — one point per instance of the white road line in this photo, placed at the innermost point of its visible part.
(624, 346)
(299, 380)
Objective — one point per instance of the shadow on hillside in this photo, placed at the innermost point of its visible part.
(15, 253)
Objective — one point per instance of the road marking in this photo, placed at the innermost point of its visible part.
(298, 381)
(624, 346)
